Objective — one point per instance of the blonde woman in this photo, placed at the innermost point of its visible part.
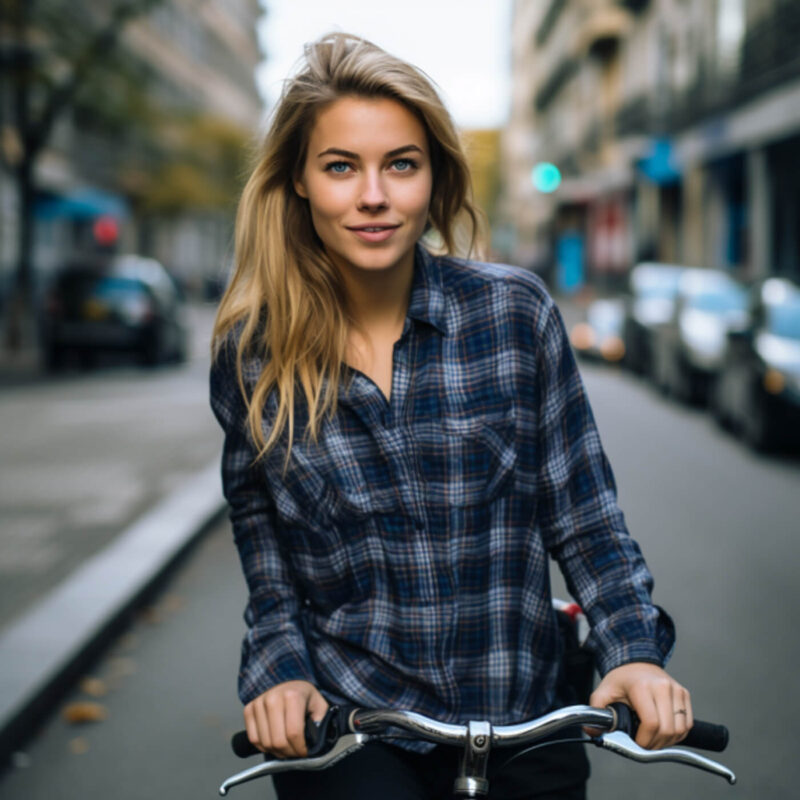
(407, 439)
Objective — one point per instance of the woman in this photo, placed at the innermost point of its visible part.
(406, 440)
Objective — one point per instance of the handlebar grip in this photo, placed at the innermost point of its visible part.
(703, 735)
(243, 748)
(707, 736)
(240, 745)
(320, 736)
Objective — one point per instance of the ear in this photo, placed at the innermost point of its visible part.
(300, 187)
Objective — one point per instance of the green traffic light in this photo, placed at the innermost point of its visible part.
(546, 177)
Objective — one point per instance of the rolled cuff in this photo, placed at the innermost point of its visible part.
(617, 644)
(267, 666)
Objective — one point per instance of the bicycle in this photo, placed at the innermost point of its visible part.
(343, 731)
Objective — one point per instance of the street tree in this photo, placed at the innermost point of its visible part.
(50, 51)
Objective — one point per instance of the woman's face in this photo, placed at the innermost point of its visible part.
(367, 178)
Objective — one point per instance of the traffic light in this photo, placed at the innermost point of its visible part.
(546, 177)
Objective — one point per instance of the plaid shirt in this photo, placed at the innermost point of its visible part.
(403, 559)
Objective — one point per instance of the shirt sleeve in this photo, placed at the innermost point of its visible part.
(582, 524)
(274, 648)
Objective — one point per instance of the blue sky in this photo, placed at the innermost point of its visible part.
(464, 45)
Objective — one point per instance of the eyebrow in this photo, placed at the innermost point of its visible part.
(335, 151)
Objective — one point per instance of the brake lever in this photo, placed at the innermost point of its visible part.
(622, 744)
(345, 745)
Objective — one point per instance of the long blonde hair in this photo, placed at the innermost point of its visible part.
(285, 300)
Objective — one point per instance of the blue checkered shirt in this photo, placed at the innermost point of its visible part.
(403, 559)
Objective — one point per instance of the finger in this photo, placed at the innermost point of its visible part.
(263, 738)
(251, 726)
(294, 723)
(689, 710)
(644, 704)
(683, 714)
(317, 706)
(277, 727)
(666, 705)
(601, 699)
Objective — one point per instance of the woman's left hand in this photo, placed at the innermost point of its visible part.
(663, 706)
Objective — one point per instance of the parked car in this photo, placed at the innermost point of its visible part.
(129, 303)
(649, 302)
(599, 335)
(758, 389)
(688, 349)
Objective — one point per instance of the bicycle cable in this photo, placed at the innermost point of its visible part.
(538, 747)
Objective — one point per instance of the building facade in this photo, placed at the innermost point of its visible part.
(673, 124)
(149, 161)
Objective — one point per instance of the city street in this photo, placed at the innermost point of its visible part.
(639, 156)
(84, 454)
(717, 524)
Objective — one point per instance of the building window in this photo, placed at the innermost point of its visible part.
(730, 33)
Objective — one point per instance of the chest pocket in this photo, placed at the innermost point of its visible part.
(325, 488)
(466, 461)
(325, 533)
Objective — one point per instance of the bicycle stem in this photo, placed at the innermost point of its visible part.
(471, 780)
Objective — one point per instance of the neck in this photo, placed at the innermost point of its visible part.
(379, 300)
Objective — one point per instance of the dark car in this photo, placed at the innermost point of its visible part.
(758, 389)
(128, 304)
(688, 349)
(599, 336)
(652, 288)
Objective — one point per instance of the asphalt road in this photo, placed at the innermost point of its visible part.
(718, 526)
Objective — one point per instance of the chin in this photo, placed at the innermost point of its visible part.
(376, 264)
(374, 261)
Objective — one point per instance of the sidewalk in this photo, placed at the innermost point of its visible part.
(45, 651)
(106, 479)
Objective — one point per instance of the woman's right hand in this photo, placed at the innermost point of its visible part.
(275, 721)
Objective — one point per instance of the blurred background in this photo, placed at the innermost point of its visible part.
(639, 155)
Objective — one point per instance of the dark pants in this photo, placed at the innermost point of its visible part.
(383, 772)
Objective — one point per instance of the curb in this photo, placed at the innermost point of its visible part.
(47, 649)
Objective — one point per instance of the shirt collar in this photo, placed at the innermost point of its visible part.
(427, 294)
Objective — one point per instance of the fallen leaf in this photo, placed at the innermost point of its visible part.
(78, 746)
(119, 668)
(94, 687)
(122, 666)
(151, 615)
(127, 642)
(172, 603)
(80, 713)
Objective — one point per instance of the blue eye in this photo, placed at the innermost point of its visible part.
(404, 164)
(338, 167)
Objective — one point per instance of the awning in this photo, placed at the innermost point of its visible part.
(86, 203)
(659, 164)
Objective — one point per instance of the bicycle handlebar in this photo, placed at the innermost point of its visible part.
(338, 721)
(343, 731)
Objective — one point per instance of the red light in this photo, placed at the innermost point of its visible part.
(106, 231)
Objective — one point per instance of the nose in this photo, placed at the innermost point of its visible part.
(373, 196)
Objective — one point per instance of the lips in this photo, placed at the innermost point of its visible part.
(373, 233)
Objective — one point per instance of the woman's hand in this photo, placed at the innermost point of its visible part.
(275, 721)
(663, 706)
